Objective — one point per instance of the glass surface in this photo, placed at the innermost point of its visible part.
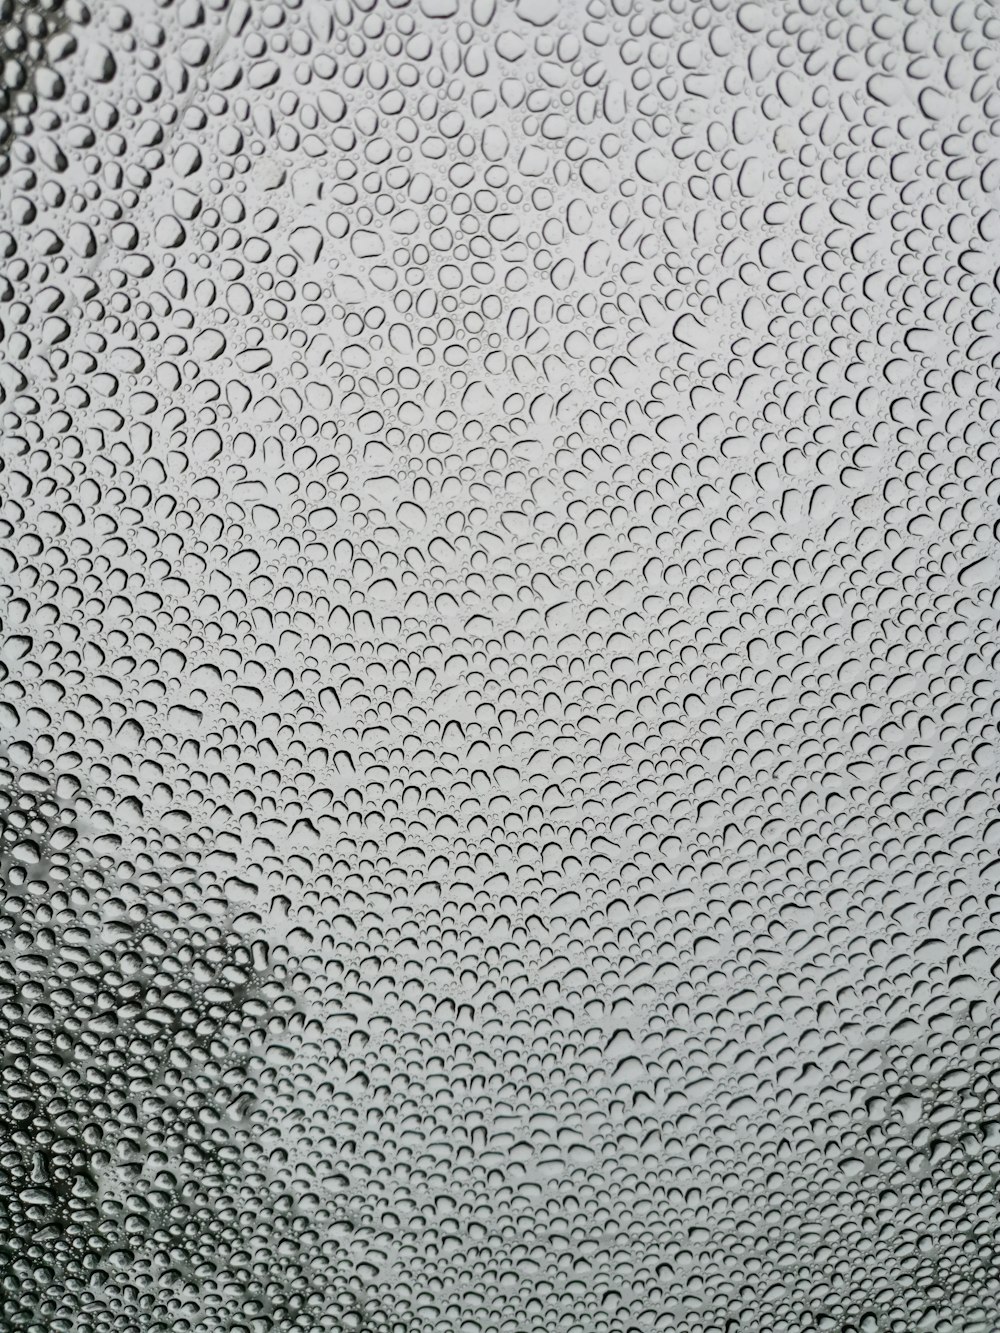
(498, 666)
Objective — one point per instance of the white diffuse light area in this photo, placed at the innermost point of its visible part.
(499, 594)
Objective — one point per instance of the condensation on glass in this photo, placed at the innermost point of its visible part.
(499, 640)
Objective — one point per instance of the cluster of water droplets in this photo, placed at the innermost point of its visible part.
(498, 545)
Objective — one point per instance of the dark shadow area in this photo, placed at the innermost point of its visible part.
(35, 36)
(140, 1185)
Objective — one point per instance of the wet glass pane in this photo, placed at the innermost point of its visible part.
(498, 666)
